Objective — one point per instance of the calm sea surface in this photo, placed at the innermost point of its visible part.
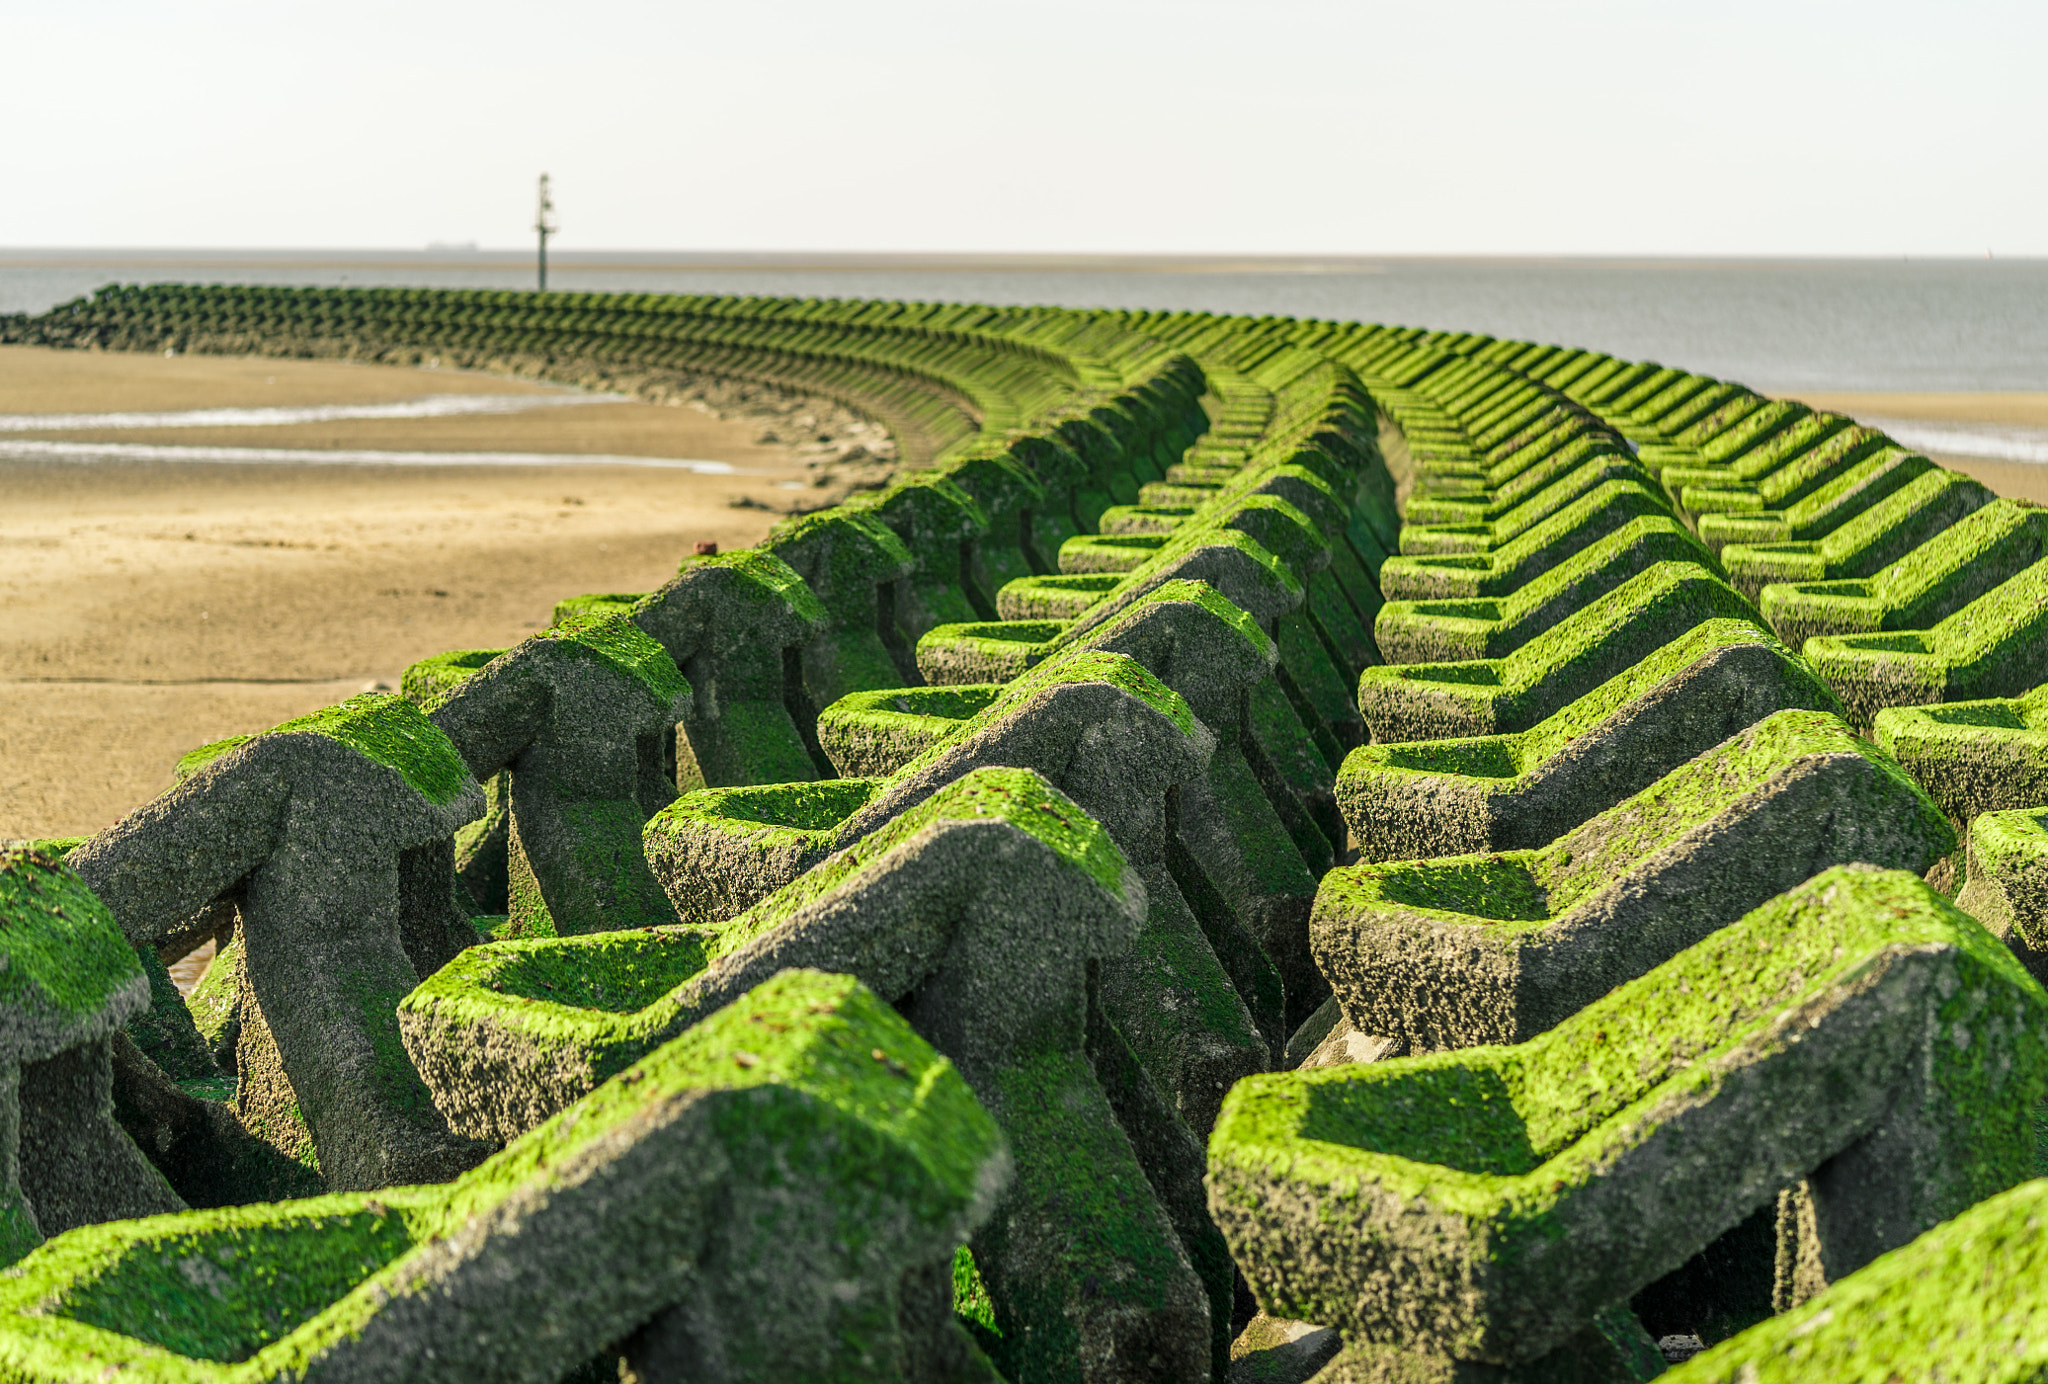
(1775, 324)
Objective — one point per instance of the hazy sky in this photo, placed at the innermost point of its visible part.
(1290, 126)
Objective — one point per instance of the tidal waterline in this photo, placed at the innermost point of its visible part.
(1782, 325)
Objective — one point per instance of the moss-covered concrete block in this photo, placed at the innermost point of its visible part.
(873, 734)
(1012, 498)
(1996, 646)
(69, 983)
(760, 1197)
(1493, 627)
(2007, 885)
(1960, 1302)
(1462, 950)
(941, 527)
(1484, 533)
(1109, 735)
(1249, 844)
(1972, 757)
(980, 914)
(315, 828)
(1485, 1206)
(1922, 587)
(1513, 482)
(483, 847)
(986, 651)
(736, 624)
(852, 563)
(577, 717)
(1881, 510)
(1434, 701)
(1504, 792)
(1500, 571)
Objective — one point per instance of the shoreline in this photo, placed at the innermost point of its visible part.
(155, 606)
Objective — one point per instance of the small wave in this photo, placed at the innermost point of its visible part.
(432, 406)
(1993, 442)
(339, 456)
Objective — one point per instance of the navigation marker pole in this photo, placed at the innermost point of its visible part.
(544, 225)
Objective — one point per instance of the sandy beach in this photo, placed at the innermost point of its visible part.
(153, 607)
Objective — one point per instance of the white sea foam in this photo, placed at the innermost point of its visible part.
(1991, 441)
(432, 406)
(29, 449)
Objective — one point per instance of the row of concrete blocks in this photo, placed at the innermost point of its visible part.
(776, 1194)
(1443, 954)
(576, 715)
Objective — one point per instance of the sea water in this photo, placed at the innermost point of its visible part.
(1778, 325)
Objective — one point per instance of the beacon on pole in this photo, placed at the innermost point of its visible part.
(544, 226)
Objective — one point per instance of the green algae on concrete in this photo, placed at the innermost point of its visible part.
(1972, 757)
(1407, 800)
(1492, 627)
(1484, 1205)
(852, 562)
(316, 830)
(870, 734)
(1888, 506)
(1112, 737)
(1923, 586)
(577, 719)
(980, 914)
(1433, 701)
(736, 625)
(1463, 950)
(2007, 886)
(1503, 570)
(1996, 646)
(427, 683)
(69, 981)
(771, 1176)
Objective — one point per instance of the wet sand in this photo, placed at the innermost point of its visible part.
(152, 607)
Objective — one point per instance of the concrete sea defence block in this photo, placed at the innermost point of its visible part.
(2007, 885)
(70, 982)
(1483, 534)
(1111, 737)
(1996, 646)
(1435, 701)
(1824, 479)
(1503, 792)
(736, 624)
(980, 915)
(1493, 627)
(941, 526)
(1961, 1301)
(1012, 497)
(1795, 464)
(1265, 788)
(1922, 587)
(1416, 1204)
(577, 719)
(874, 734)
(1610, 506)
(1462, 950)
(1972, 757)
(1451, 496)
(314, 829)
(852, 563)
(1881, 510)
(782, 1180)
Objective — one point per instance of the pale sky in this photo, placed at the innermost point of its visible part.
(1738, 127)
